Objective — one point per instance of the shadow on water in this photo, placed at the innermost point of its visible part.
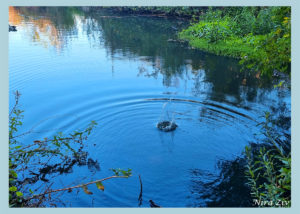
(50, 170)
(228, 189)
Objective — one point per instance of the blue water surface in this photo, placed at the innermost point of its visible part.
(125, 73)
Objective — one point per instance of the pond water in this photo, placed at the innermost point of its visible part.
(73, 66)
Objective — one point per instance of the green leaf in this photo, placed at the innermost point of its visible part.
(13, 189)
(100, 185)
(13, 173)
(19, 194)
(85, 189)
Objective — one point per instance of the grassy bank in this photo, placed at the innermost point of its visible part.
(259, 36)
(232, 47)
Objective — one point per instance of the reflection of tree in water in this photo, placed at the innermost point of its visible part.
(50, 26)
(14, 17)
(145, 38)
(228, 189)
(60, 17)
(51, 170)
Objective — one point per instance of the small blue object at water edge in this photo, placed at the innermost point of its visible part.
(166, 126)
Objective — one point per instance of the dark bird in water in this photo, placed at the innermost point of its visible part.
(12, 28)
(153, 205)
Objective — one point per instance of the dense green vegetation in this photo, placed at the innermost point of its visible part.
(259, 36)
(269, 167)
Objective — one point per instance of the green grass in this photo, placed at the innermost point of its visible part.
(261, 38)
(231, 46)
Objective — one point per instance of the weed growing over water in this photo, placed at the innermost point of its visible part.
(269, 169)
(32, 163)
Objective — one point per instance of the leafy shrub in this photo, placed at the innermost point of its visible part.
(212, 14)
(264, 23)
(211, 31)
(243, 23)
(272, 51)
(269, 176)
(232, 11)
(269, 169)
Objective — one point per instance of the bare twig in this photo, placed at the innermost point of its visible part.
(74, 187)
